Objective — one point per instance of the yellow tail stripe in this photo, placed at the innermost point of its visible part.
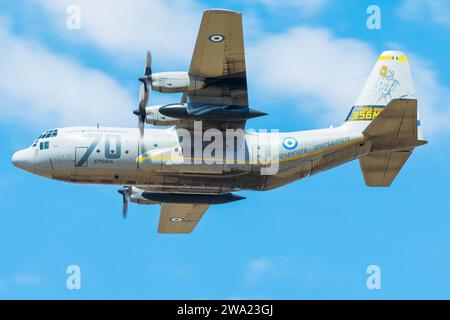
(394, 58)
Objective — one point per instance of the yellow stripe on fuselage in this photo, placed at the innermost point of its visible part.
(143, 158)
(323, 150)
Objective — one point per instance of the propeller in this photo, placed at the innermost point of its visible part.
(144, 93)
(125, 192)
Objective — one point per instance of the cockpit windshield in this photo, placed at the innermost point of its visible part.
(45, 135)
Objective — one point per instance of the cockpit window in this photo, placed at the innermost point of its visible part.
(45, 135)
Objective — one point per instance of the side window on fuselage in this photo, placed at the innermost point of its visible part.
(43, 145)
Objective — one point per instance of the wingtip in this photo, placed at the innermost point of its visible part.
(220, 10)
(422, 142)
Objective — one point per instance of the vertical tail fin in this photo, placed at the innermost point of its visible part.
(390, 79)
(386, 112)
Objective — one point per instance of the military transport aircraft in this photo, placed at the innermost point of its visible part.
(178, 169)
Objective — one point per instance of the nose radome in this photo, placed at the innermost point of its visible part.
(17, 158)
(23, 159)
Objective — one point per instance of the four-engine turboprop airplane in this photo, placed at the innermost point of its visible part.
(194, 163)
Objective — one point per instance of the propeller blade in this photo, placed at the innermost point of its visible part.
(125, 207)
(183, 98)
(144, 95)
(142, 115)
(141, 128)
(148, 66)
(125, 192)
(141, 92)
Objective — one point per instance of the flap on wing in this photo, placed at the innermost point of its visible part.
(380, 169)
(219, 60)
(180, 217)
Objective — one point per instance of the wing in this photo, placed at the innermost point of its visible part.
(180, 217)
(219, 60)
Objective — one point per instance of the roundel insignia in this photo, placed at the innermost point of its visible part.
(176, 219)
(290, 143)
(216, 38)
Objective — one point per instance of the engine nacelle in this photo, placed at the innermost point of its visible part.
(153, 116)
(175, 82)
(136, 196)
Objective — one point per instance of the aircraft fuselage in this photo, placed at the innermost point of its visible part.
(160, 162)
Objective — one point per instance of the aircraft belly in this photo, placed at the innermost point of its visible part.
(191, 184)
(302, 168)
(338, 157)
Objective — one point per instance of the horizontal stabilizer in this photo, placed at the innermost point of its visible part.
(380, 169)
(398, 120)
(394, 135)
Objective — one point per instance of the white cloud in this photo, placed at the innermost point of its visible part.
(306, 7)
(429, 10)
(312, 65)
(168, 28)
(323, 75)
(311, 69)
(261, 271)
(256, 269)
(434, 107)
(40, 86)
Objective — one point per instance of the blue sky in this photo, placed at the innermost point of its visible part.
(307, 61)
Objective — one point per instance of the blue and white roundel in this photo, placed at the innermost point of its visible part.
(290, 143)
(216, 38)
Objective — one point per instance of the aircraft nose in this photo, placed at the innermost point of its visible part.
(23, 159)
